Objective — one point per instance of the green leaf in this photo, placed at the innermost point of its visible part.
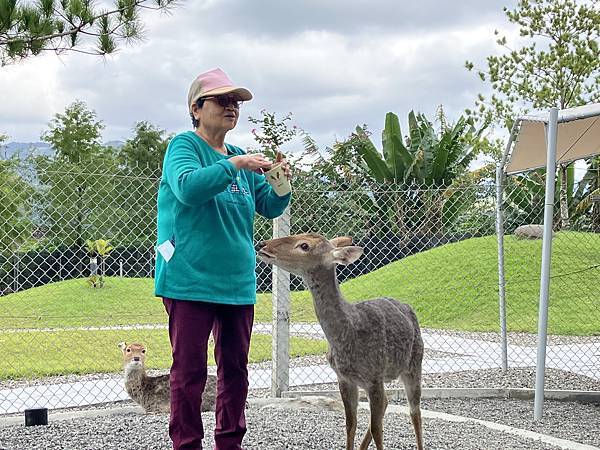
(8, 14)
(397, 156)
(371, 156)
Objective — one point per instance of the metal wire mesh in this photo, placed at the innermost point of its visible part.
(62, 314)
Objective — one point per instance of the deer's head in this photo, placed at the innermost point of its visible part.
(303, 253)
(133, 354)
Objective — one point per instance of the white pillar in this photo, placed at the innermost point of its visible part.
(280, 373)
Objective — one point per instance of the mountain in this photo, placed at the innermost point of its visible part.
(115, 144)
(26, 148)
(39, 148)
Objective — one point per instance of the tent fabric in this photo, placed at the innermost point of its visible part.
(578, 137)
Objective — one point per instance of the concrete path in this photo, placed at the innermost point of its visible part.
(462, 354)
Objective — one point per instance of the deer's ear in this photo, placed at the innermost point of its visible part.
(342, 241)
(346, 255)
(122, 345)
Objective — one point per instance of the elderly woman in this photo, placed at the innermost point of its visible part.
(205, 266)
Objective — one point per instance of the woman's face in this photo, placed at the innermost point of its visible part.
(220, 113)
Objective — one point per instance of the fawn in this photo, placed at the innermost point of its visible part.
(370, 342)
(153, 392)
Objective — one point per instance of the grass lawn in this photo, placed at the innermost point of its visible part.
(122, 301)
(451, 287)
(39, 354)
(454, 286)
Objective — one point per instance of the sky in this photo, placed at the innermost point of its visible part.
(333, 64)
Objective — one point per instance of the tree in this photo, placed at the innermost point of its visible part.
(68, 25)
(140, 161)
(146, 150)
(273, 133)
(75, 135)
(15, 209)
(3, 139)
(342, 166)
(558, 67)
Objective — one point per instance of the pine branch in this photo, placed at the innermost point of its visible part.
(28, 44)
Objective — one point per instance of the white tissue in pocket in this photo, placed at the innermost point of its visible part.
(166, 250)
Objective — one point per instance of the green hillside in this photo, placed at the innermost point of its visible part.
(454, 286)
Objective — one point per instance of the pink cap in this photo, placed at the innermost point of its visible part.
(215, 82)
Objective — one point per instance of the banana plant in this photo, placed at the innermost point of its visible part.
(99, 247)
(419, 168)
(102, 248)
(576, 204)
(525, 197)
(587, 196)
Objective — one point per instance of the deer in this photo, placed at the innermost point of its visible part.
(370, 342)
(153, 392)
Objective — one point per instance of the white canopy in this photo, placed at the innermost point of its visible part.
(578, 137)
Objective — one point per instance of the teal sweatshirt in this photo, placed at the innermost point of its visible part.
(206, 210)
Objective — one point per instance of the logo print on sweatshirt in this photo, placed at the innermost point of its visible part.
(234, 188)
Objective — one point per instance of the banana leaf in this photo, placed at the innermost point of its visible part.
(369, 152)
(439, 164)
(397, 156)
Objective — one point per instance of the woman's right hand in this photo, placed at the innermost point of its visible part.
(256, 162)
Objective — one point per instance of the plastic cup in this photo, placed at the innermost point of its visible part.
(278, 181)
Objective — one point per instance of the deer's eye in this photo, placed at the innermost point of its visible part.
(128, 350)
(304, 246)
(144, 351)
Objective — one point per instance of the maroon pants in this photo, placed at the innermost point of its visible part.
(190, 323)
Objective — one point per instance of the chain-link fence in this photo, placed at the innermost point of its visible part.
(66, 302)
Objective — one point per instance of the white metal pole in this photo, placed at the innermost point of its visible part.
(501, 280)
(280, 372)
(546, 259)
(500, 236)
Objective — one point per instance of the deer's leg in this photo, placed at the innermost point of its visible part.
(378, 404)
(349, 392)
(412, 387)
(366, 439)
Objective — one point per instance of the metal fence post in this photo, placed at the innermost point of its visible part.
(281, 316)
(500, 179)
(17, 261)
(501, 279)
(540, 368)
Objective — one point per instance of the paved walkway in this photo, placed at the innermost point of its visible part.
(461, 354)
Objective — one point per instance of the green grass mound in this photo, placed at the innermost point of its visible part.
(454, 286)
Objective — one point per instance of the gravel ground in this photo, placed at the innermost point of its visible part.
(272, 427)
(489, 378)
(565, 420)
(513, 378)
(275, 428)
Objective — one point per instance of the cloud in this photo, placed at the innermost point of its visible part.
(333, 64)
(274, 18)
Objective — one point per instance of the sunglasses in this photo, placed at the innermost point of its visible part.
(224, 101)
